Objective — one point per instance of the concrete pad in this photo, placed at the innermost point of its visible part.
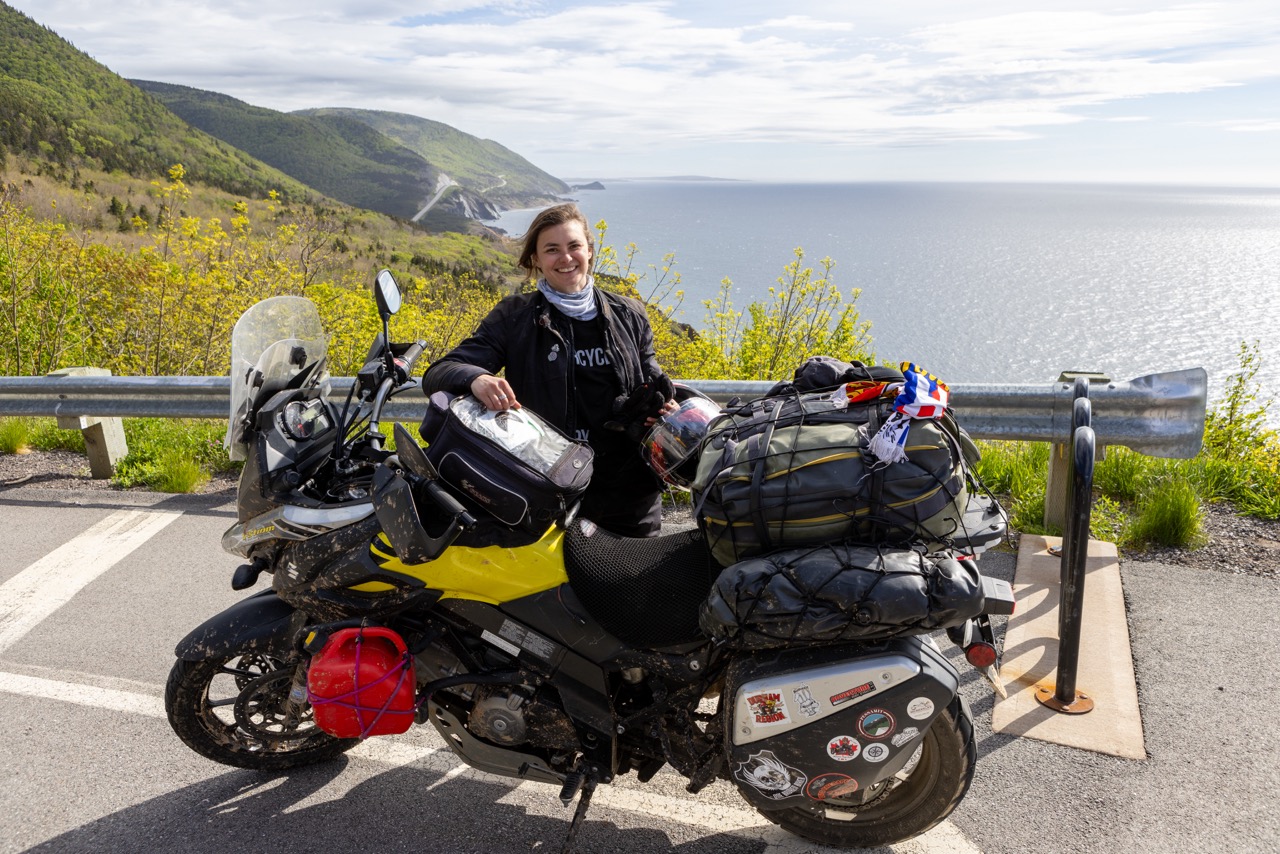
(1105, 669)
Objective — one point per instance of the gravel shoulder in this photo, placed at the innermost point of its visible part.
(1237, 545)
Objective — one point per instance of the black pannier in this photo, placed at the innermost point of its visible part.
(839, 593)
(793, 469)
(512, 464)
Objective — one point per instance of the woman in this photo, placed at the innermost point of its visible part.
(580, 357)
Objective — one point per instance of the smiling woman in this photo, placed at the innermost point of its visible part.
(580, 357)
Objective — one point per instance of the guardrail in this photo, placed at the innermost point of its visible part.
(1160, 415)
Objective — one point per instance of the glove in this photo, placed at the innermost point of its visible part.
(631, 411)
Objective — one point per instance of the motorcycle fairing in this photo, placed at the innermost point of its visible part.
(802, 733)
(492, 574)
(277, 343)
(291, 522)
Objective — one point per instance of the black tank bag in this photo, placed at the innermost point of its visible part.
(512, 464)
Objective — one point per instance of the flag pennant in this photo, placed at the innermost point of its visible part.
(922, 396)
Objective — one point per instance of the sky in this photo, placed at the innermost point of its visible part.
(1144, 91)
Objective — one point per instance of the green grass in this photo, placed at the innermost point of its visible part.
(175, 472)
(38, 434)
(15, 436)
(164, 454)
(172, 455)
(1168, 515)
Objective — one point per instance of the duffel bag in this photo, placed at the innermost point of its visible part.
(795, 470)
(838, 593)
(512, 464)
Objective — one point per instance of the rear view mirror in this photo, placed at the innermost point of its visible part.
(387, 293)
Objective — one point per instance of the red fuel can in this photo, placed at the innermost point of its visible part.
(361, 683)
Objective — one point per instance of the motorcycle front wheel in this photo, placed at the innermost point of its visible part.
(235, 710)
(920, 796)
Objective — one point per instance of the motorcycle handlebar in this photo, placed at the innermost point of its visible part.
(449, 504)
(412, 355)
(404, 362)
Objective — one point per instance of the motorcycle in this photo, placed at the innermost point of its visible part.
(572, 657)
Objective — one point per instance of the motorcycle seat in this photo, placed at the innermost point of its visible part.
(646, 591)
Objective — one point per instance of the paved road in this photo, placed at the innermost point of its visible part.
(443, 182)
(95, 589)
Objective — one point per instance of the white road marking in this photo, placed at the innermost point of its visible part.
(51, 582)
(713, 818)
(82, 695)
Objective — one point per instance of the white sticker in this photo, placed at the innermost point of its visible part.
(511, 648)
(804, 699)
(875, 753)
(904, 736)
(920, 708)
(844, 748)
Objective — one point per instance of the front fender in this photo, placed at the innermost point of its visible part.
(261, 623)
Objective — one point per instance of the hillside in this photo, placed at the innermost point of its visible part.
(60, 106)
(341, 158)
(62, 109)
(482, 166)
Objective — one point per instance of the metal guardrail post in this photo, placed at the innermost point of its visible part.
(1075, 553)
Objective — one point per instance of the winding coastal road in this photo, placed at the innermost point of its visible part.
(443, 182)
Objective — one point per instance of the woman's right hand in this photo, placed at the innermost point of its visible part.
(494, 392)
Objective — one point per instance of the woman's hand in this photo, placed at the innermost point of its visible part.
(667, 408)
(494, 392)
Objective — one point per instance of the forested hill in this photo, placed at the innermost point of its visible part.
(480, 165)
(59, 105)
(388, 162)
(347, 160)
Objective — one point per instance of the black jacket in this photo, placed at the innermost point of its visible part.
(520, 334)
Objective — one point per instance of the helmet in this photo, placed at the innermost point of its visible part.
(670, 447)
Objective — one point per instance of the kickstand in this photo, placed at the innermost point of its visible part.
(588, 784)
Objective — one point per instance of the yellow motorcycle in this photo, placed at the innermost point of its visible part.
(558, 652)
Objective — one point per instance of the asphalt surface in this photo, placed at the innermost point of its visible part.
(88, 763)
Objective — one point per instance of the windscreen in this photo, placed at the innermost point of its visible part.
(271, 344)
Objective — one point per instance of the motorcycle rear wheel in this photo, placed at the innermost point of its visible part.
(231, 710)
(929, 793)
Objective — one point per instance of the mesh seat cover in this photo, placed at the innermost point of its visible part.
(645, 591)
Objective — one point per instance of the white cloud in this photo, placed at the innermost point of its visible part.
(555, 78)
(1252, 126)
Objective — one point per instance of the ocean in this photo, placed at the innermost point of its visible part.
(1000, 283)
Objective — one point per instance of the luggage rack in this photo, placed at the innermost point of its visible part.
(983, 525)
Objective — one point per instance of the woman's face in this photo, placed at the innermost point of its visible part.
(563, 256)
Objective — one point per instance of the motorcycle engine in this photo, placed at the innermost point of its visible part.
(498, 716)
(508, 716)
